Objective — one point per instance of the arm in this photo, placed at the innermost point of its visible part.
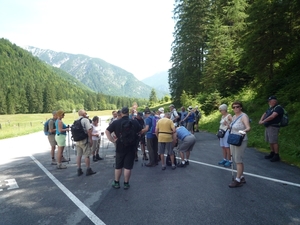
(245, 120)
(145, 130)
(271, 117)
(51, 127)
(89, 132)
(109, 136)
(186, 116)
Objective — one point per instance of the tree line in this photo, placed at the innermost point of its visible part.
(28, 85)
(221, 47)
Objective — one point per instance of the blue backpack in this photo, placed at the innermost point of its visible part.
(46, 127)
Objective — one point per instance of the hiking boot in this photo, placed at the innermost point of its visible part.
(89, 172)
(61, 166)
(126, 185)
(79, 172)
(116, 185)
(53, 162)
(243, 180)
(63, 159)
(235, 184)
(275, 158)
(270, 156)
(181, 165)
(98, 157)
(227, 164)
(95, 159)
(222, 162)
(187, 162)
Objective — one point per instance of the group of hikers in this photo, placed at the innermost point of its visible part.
(160, 132)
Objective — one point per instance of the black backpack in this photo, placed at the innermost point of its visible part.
(77, 130)
(128, 135)
(179, 117)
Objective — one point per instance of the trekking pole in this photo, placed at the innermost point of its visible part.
(232, 176)
(69, 146)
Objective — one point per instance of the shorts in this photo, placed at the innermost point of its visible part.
(60, 140)
(162, 146)
(237, 152)
(125, 159)
(51, 139)
(83, 148)
(187, 144)
(189, 126)
(271, 134)
(223, 140)
(96, 145)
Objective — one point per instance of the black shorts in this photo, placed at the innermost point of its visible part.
(125, 159)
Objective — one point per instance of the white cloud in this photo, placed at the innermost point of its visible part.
(135, 35)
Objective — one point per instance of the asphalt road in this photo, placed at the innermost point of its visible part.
(34, 192)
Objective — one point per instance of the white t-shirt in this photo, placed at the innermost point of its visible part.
(96, 130)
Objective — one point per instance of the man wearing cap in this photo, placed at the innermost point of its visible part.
(271, 119)
(173, 114)
(161, 112)
(51, 136)
(152, 143)
(125, 154)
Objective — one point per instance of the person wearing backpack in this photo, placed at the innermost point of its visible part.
(271, 119)
(51, 131)
(190, 118)
(197, 119)
(126, 131)
(174, 116)
(83, 144)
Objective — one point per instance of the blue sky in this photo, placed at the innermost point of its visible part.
(135, 35)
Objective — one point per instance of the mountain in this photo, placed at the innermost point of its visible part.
(96, 74)
(29, 85)
(159, 81)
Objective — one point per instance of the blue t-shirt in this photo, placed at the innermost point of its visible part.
(149, 123)
(191, 118)
(63, 126)
(182, 132)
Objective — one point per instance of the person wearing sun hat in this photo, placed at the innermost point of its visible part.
(271, 119)
(161, 112)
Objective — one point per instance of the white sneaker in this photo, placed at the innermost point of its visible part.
(61, 166)
(53, 162)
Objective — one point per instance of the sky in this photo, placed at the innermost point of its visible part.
(135, 35)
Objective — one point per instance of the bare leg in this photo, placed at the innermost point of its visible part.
(187, 154)
(87, 161)
(78, 161)
(59, 153)
(118, 174)
(239, 169)
(162, 159)
(127, 174)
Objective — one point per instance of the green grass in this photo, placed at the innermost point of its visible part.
(21, 124)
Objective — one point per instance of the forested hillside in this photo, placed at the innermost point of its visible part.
(223, 47)
(96, 74)
(29, 85)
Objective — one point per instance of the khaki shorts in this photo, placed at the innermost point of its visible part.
(51, 139)
(271, 134)
(83, 148)
(237, 152)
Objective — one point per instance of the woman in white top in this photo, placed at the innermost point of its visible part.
(96, 138)
(226, 119)
(240, 125)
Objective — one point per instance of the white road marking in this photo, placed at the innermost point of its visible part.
(12, 183)
(249, 174)
(70, 195)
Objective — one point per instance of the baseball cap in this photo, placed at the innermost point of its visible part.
(147, 112)
(125, 110)
(140, 114)
(272, 97)
(161, 109)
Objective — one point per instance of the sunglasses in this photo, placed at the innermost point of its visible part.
(236, 107)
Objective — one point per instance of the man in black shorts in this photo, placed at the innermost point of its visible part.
(271, 119)
(125, 154)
